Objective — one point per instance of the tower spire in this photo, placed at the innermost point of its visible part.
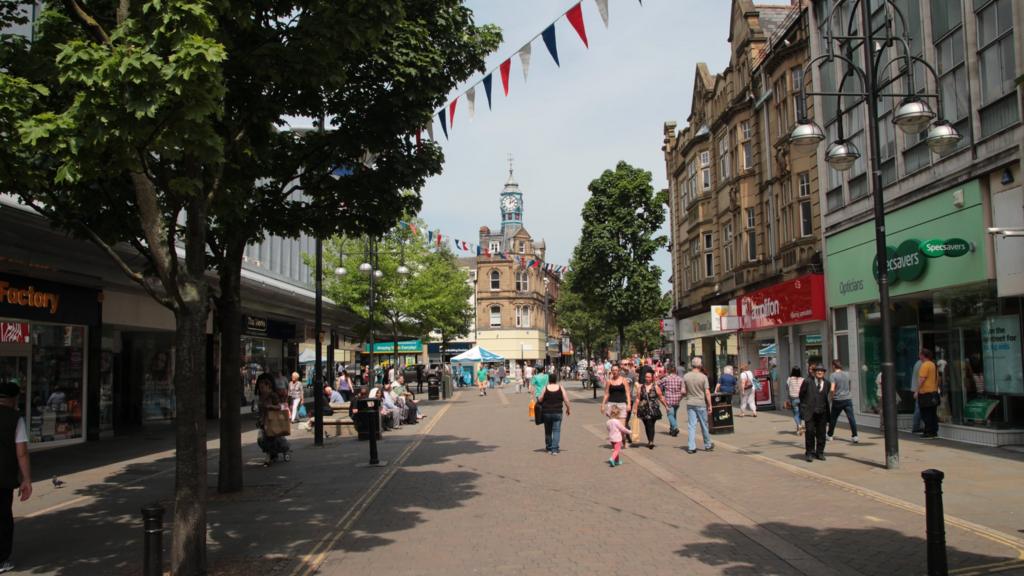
(510, 166)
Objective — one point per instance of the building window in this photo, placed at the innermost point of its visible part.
(806, 222)
(804, 184)
(709, 241)
(495, 246)
(727, 248)
(709, 265)
(522, 246)
(495, 316)
(799, 104)
(769, 233)
(522, 316)
(705, 170)
(495, 280)
(752, 245)
(781, 107)
(948, 31)
(751, 218)
(997, 65)
(724, 169)
(691, 181)
(522, 281)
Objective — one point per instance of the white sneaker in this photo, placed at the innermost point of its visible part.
(855, 439)
(6, 567)
(829, 438)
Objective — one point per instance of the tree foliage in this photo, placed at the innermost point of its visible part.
(614, 269)
(644, 336)
(586, 324)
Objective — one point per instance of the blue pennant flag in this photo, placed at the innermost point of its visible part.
(487, 89)
(549, 41)
(444, 123)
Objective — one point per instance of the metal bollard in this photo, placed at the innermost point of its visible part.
(374, 429)
(153, 524)
(936, 522)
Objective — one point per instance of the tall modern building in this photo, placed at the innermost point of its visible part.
(515, 303)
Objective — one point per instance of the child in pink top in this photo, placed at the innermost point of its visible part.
(615, 432)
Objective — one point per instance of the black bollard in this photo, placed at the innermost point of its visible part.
(153, 524)
(936, 522)
(374, 427)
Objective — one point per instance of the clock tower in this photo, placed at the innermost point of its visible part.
(511, 203)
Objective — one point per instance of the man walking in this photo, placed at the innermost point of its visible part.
(481, 379)
(672, 390)
(814, 410)
(841, 401)
(698, 403)
(14, 467)
(928, 394)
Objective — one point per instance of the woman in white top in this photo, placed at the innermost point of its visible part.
(747, 391)
(793, 389)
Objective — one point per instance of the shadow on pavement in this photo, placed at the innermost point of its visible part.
(870, 551)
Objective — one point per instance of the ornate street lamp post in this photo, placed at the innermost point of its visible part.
(912, 116)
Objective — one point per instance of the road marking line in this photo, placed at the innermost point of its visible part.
(311, 562)
(502, 397)
(775, 545)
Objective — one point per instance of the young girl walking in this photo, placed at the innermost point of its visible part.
(615, 432)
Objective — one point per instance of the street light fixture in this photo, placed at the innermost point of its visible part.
(340, 271)
(366, 268)
(912, 116)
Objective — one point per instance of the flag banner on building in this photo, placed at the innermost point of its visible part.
(438, 239)
(574, 16)
(471, 102)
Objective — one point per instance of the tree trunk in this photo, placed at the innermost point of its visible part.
(622, 340)
(188, 547)
(394, 338)
(229, 308)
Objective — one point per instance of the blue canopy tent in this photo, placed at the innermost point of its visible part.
(476, 354)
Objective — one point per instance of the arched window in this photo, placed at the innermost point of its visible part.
(495, 316)
(495, 280)
(522, 281)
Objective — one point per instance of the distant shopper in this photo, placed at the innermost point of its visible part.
(648, 405)
(616, 395)
(272, 421)
(841, 401)
(928, 394)
(814, 411)
(15, 470)
(726, 384)
(793, 385)
(672, 390)
(344, 386)
(295, 396)
(915, 383)
(539, 380)
(481, 380)
(698, 404)
(747, 390)
(615, 432)
(550, 402)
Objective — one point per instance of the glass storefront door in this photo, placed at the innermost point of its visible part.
(14, 367)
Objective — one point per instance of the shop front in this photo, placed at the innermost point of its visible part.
(944, 299)
(49, 345)
(440, 353)
(409, 352)
(712, 336)
(783, 327)
(264, 348)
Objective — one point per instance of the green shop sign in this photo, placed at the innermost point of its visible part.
(404, 346)
(934, 243)
(906, 263)
(952, 247)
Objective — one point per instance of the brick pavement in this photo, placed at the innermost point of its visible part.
(470, 490)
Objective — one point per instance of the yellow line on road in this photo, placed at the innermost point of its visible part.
(311, 562)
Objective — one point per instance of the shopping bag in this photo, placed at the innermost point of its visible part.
(276, 423)
(634, 432)
(302, 411)
(533, 405)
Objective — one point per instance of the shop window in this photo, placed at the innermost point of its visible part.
(495, 316)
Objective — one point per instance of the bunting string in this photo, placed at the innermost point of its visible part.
(438, 239)
(574, 16)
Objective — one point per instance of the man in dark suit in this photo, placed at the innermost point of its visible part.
(814, 410)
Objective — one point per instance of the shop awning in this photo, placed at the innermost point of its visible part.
(476, 354)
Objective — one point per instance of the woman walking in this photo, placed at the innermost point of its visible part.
(747, 390)
(616, 395)
(344, 386)
(295, 395)
(272, 418)
(550, 404)
(648, 409)
(726, 385)
(793, 385)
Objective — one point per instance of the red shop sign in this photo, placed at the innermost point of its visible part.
(14, 332)
(793, 302)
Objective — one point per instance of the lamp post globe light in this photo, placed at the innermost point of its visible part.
(877, 39)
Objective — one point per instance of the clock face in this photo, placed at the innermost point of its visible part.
(509, 204)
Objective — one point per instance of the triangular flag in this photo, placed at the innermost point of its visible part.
(439, 238)
(444, 123)
(575, 16)
(430, 236)
(524, 58)
(451, 112)
(471, 101)
(419, 136)
(413, 228)
(478, 250)
(430, 130)
(549, 40)
(602, 8)
(487, 89)
(505, 67)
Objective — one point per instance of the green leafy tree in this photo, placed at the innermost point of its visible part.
(586, 324)
(614, 268)
(644, 336)
(153, 127)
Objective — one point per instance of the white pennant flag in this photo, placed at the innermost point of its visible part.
(471, 99)
(602, 7)
(430, 130)
(524, 57)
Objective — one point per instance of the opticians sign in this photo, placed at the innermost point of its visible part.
(793, 302)
(904, 263)
(952, 247)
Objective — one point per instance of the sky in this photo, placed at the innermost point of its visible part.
(565, 125)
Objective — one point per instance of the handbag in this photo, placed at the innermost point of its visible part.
(648, 409)
(538, 414)
(276, 423)
(929, 400)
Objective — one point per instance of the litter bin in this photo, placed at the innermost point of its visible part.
(433, 387)
(720, 418)
(367, 417)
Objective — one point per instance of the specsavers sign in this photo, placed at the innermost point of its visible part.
(931, 244)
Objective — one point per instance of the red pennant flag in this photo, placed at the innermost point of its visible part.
(575, 16)
(439, 235)
(413, 228)
(506, 67)
(451, 112)
(419, 132)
